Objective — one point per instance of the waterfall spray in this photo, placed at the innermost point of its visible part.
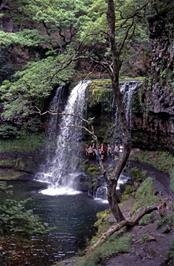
(62, 169)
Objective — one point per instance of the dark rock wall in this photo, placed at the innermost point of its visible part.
(161, 83)
(153, 123)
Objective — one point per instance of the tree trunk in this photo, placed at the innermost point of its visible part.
(113, 201)
(126, 138)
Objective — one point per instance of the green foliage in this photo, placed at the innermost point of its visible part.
(58, 13)
(100, 92)
(163, 161)
(26, 143)
(24, 38)
(16, 220)
(172, 179)
(92, 170)
(94, 27)
(5, 188)
(166, 220)
(145, 195)
(128, 192)
(148, 218)
(102, 223)
(30, 86)
(138, 175)
(7, 130)
(113, 246)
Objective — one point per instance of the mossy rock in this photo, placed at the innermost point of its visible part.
(9, 174)
(21, 164)
(100, 91)
(92, 170)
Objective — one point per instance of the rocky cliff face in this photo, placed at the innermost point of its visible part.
(150, 130)
(161, 27)
(153, 125)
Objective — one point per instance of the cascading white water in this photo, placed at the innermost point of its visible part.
(101, 192)
(128, 89)
(62, 170)
(56, 107)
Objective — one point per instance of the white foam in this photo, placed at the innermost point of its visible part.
(59, 191)
(104, 201)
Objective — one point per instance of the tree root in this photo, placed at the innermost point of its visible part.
(116, 227)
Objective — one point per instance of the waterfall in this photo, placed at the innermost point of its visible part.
(62, 169)
(56, 107)
(101, 192)
(128, 89)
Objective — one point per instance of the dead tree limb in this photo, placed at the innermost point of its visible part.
(118, 226)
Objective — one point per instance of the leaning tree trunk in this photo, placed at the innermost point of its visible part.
(126, 138)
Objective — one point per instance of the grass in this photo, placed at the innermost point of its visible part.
(27, 143)
(138, 175)
(147, 219)
(163, 161)
(168, 219)
(145, 195)
(112, 247)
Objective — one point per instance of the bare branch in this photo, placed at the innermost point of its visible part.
(126, 36)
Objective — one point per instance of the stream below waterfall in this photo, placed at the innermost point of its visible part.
(72, 216)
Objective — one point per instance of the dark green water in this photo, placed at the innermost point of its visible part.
(73, 217)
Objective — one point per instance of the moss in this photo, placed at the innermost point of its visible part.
(138, 175)
(166, 220)
(129, 191)
(112, 247)
(145, 195)
(163, 161)
(102, 222)
(146, 238)
(100, 91)
(172, 179)
(9, 174)
(8, 163)
(137, 103)
(126, 78)
(27, 143)
(148, 218)
(92, 170)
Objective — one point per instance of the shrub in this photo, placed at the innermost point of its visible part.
(16, 220)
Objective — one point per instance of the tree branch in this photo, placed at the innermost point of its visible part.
(119, 226)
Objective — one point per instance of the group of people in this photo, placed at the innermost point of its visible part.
(103, 151)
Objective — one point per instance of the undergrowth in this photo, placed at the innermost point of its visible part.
(111, 247)
(145, 196)
(164, 161)
(15, 219)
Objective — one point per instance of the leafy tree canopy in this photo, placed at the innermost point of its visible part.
(24, 38)
(58, 25)
(94, 26)
(30, 86)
